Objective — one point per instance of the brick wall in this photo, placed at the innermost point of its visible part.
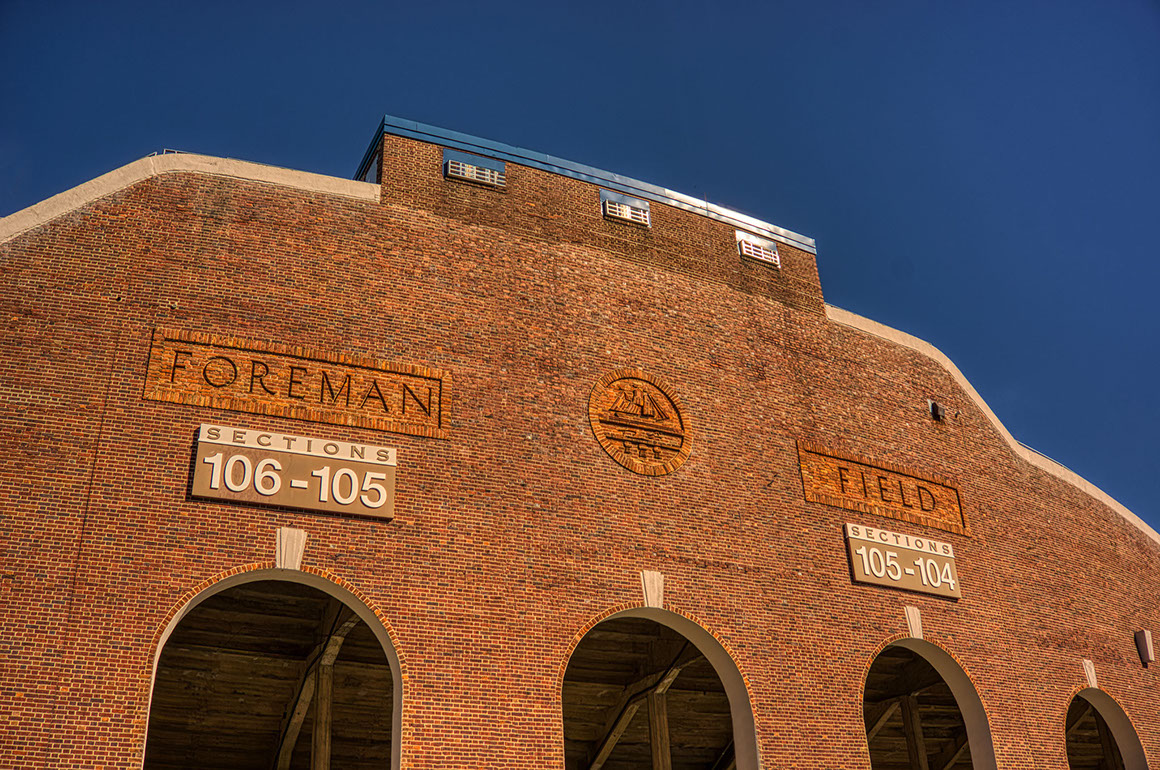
(517, 531)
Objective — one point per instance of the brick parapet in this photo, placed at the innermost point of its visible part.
(558, 209)
(514, 534)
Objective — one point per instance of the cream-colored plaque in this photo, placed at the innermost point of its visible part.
(902, 561)
(253, 466)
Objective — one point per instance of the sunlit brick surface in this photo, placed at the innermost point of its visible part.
(517, 532)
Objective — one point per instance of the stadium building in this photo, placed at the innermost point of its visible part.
(488, 459)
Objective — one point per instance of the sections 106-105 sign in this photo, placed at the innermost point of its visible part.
(314, 474)
(902, 561)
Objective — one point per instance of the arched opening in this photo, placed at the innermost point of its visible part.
(1100, 736)
(922, 712)
(262, 672)
(646, 689)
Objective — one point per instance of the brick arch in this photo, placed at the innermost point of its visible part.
(715, 650)
(953, 672)
(321, 580)
(1118, 721)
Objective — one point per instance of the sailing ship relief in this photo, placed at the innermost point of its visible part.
(637, 419)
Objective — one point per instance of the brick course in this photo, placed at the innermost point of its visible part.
(517, 533)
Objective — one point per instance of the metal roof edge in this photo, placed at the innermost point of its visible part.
(370, 153)
(456, 140)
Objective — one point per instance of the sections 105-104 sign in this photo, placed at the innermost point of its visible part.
(902, 561)
(314, 474)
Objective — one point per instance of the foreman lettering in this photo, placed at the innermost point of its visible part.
(264, 378)
(301, 383)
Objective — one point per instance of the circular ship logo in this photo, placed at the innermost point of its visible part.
(637, 419)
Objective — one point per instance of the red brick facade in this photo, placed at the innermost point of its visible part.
(515, 531)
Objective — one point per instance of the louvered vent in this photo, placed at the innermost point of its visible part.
(459, 169)
(624, 208)
(757, 248)
(617, 210)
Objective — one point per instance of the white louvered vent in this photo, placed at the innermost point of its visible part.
(758, 248)
(458, 169)
(618, 210)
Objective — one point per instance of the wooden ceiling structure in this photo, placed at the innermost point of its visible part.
(239, 680)
(913, 721)
(639, 696)
(1090, 744)
(271, 675)
(241, 685)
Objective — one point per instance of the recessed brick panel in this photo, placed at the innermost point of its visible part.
(879, 489)
(242, 375)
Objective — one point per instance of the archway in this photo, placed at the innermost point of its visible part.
(922, 712)
(1100, 736)
(274, 669)
(647, 688)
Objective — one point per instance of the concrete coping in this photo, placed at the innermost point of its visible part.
(176, 163)
(853, 320)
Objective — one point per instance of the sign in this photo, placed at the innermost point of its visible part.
(266, 378)
(902, 561)
(253, 466)
(880, 489)
(637, 419)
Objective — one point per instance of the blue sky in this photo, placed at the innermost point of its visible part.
(982, 175)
